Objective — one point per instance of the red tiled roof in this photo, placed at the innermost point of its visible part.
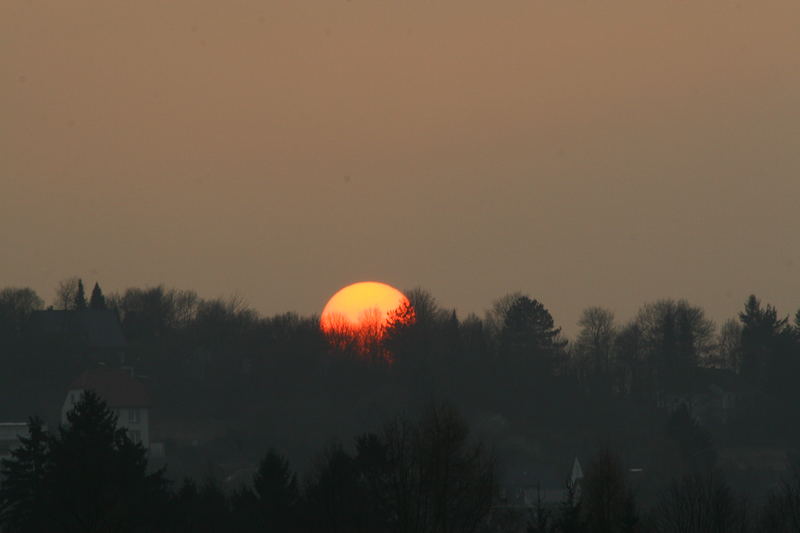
(117, 387)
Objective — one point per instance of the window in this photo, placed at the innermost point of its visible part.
(135, 435)
(133, 416)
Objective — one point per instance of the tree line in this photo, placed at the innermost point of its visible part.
(415, 475)
(538, 397)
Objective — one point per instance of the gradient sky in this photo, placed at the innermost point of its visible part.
(609, 152)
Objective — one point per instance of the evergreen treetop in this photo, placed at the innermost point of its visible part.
(97, 300)
(80, 297)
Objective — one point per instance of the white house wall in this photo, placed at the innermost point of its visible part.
(123, 417)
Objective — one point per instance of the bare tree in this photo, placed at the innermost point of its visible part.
(19, 303)
(677, 337)
(439, 480)
(729, 345)
(781, 513)
(66, 292)
(700, 503)
(595, 343)
(16, 305)
(606, 500)
(496, 315)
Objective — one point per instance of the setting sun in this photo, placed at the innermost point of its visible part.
(357, 316)
(360, 304)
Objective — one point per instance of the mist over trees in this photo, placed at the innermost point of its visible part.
(672, 416)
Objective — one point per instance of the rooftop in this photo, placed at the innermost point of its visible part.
(116, 386)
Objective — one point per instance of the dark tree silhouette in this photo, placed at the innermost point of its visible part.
(66, 292)
(700, 503)
(729, 346)
(677, 337)
(781, 514)
(541, 519)
(529, 351)
(202, 510)
(569, 516)
(23, 506)
(335, 494)
(439, 481)
(97, 300)
(80, 297)
(529, 330)
(276, 491)
(95, 476)
(797, 324)
(693, 443)
(606, 500)
(594, 348)
(16, 306)
(761, 329)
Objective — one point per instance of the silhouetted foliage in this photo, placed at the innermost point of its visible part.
(569, 519)
(80, 297)
(97, 300)
(87, 477)
(66, 294)
(594, 347)
(229, 384)
(276, 491)
(541, 520)
(529, 331)
(606, 500)
(700, 503)
(761, 331)
(203, 509)
(781, 514)
(23, 492)
(693, 443)
(677, 338)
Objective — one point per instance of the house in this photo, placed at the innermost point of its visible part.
(98, 332)
(124, 394)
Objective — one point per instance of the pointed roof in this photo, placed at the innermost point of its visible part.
(577, 471)
(117, 387)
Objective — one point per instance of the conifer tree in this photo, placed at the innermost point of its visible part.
(97, 300)
(22, 492)
(98, 473)
(80, 297)
(89, 476)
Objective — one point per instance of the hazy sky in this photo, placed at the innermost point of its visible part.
(586, 152)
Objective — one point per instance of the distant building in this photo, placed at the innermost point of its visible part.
(97, 332)
(123, 393)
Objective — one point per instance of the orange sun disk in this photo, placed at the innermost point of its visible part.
(359, 305)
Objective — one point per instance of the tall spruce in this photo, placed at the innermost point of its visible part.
(89, 476)
(761, 331)
(97, 300)
(80, 297)
(99, 474)
(22, 491)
